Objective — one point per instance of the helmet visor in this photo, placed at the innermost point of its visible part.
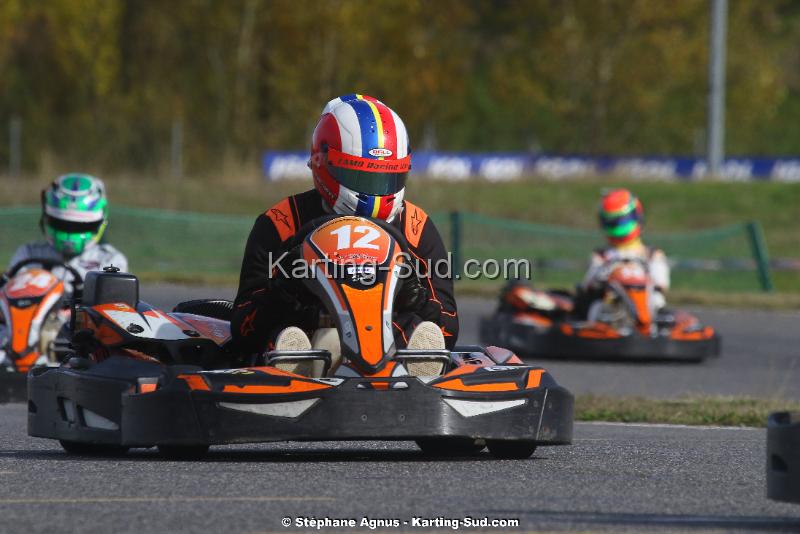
(371, 176)
(72, 227)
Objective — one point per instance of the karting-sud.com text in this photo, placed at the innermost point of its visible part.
(370, 523)
(366, 270)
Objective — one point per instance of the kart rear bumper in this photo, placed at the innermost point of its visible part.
(532, 342)
(783, 457)
(177, 415)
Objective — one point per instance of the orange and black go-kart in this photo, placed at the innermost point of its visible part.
(33, 315)
(141, 377)
(783, 457)
(618, 323)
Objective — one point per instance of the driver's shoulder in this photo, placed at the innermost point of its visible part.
(35, 249)
(414, 220)
(656, 254)
(106, 249)
(290, 213)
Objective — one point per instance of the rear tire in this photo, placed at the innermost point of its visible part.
(451, 446)
(92, 449)
(183, 452)
(511, 449)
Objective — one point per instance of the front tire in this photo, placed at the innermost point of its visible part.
(451, 446)
(511, 449)
(81, 448)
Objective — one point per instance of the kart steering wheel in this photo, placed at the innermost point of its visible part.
(48, 264)
(293, 243)
(608, 267)
(298, 238)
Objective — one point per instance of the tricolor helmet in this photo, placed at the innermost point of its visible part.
(360, 157)
(621, 216)
(74, 213)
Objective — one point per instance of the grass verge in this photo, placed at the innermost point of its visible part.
(721, 411)
(710, 299)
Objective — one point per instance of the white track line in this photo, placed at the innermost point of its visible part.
(665, 425)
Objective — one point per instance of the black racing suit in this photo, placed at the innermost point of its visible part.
(261, 311)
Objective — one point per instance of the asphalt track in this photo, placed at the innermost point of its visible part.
(760, 353)
(613, 478)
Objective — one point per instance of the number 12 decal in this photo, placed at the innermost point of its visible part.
(343, 237)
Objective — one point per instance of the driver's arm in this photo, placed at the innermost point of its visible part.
(440, 306)
(596, 263)
(659, 270)
(255, 310)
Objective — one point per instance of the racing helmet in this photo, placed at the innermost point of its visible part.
(74, 213)
(360, 157)
(621, 216)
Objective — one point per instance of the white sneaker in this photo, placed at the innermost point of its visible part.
(292, 338)
(426, 336)
(327, 339)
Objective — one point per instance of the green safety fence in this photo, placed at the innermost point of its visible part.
(728, 258)
(194, 244)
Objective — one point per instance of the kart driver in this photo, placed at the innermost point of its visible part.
(74, 218)
(361, 128)
(622, 217)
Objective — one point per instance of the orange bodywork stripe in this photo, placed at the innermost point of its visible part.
(457, 385)
(464, 369)
(147, 388)
(366, 307)
(534, 378)
(21, 319)
(705, 333)
(107, 335)
(196, 382)
(281, 216)
(639, 298)
(24, 364)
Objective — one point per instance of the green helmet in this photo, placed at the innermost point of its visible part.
(74, 213)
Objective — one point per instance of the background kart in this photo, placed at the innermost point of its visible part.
(620, 326)
(33, 315)
(142, 377)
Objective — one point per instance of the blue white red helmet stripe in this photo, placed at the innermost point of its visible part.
(401, 137)
(356, 125)
(349, 129)
(366, 204)
(346, 98)
(376, 206)
(368, 127)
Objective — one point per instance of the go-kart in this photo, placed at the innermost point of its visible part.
(33, 314)
(783, 457)
(142, 377)
(620, 323)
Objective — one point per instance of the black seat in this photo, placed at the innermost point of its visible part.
(108, 287)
